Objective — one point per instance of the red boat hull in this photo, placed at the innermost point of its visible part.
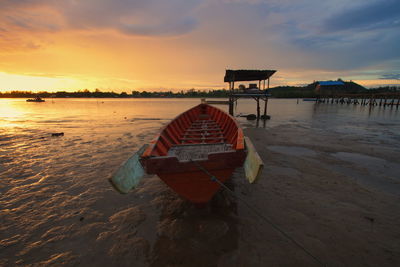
(200, 189)
(205, 136)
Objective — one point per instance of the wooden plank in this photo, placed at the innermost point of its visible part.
(198, 151)
(202, 130)
(202, 138)
(253, 165)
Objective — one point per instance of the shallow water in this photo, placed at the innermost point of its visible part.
(56, 202)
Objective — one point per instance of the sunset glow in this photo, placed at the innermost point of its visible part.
(138, 45)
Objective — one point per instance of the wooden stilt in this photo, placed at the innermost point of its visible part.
(265, 107)
(231, 86)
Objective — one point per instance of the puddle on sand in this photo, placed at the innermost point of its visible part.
(374, 165)
(375, 173)
(296, 151)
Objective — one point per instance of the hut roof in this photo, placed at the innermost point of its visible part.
(247, 75)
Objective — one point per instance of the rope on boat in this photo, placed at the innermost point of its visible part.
(267, 220)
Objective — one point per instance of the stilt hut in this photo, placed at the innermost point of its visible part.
(257, 93)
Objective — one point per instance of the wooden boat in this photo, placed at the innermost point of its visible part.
(194, 154)
(202, 137)
(36, 99)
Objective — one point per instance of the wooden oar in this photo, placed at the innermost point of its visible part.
(129, 173)
(253, 165)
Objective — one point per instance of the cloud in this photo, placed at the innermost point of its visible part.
(391, 76)
(151, 17)
(335, 35)
(338, 34)
(375, 15)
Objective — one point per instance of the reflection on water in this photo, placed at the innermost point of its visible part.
(55, 201)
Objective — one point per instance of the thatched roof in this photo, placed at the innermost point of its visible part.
(247, 75)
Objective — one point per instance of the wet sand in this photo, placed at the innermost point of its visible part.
(336, 195)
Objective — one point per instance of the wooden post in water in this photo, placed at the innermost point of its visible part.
(392, 103)
(231, 86)
(266, 100)
(231, 105)
(265, 107)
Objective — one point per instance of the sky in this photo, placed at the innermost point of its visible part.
(125, 45)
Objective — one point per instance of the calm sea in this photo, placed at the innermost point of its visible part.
(49, 185)
(97, 118)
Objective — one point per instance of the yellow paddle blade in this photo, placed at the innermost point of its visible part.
(253, 165)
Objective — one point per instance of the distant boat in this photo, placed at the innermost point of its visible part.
(309, 99)
(194, 154)
(36, 99)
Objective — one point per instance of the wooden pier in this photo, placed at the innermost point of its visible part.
(219, 102)
(258, 94)
(373, 99)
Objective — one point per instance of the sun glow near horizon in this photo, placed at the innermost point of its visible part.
(18, 82)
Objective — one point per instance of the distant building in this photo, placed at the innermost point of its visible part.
(335, 87)
(329, 87)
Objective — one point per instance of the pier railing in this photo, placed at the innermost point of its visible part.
(374, 99)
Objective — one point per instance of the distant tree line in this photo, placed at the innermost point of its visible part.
(99, 94)
(278, 92)
(292, 92)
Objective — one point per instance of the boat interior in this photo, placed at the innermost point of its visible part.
(194, 134)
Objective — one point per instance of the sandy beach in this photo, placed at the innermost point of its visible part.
(335, 194)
